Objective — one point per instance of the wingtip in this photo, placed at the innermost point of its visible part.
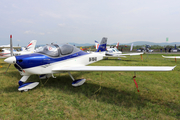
(174, 67)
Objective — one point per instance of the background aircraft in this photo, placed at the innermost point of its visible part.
(54, 59)
(5, 50)
(29, 49)
(145, 49)
(114, 52)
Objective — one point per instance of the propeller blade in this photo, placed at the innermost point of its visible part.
(11, 48)
(7, 68)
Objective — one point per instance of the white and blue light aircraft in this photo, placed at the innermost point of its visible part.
(67, 58)
(114, 52)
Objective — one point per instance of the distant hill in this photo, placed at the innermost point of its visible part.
(149, 43)
(134, 43)
(85, 44)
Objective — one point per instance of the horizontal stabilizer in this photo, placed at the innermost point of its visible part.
(116, 68)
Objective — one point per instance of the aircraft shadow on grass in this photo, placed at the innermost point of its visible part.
(108, 95)
(115, 97)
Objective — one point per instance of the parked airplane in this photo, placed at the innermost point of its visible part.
(54, 59)
(114, 52)
(29, 49)
(8, 46)
(5, 50)
(5, 53)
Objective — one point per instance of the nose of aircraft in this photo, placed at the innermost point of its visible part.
(10, 60)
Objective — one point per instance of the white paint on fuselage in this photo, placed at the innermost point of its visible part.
(114, 50)
(77, 61)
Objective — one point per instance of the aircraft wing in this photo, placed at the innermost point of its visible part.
(114, 56)
(134, 53)
(115, 68)
(16, 47)
(4, 54)
(119, 55)
(171, 56)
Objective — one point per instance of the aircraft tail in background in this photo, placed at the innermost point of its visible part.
(31, 46)
(131, 47)
(96, 44)
(117, 45)
(102, 46)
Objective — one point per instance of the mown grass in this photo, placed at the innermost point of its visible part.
(114, 96)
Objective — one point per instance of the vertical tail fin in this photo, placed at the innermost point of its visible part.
(131, 47)
(102, 46)
(117, 45)
(31, 46)
(96, 44)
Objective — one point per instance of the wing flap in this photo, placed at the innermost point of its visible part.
(116, 68)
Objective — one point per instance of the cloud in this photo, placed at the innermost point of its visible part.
(32, 32)
(24, 21)
(41, 33)
(14, 6)
(61, 24)
(27, 32)
(136, 10)
(50, 14)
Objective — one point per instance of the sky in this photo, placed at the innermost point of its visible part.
(84, 21)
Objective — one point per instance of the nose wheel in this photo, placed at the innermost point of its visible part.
(26, 86)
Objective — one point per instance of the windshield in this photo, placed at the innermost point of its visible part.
(116, 49)
(50, 50)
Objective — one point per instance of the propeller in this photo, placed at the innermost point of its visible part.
(11, 49)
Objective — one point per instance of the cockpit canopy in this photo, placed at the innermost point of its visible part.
(50, 50)
(66, 49)
(113, 50)
(54, 50)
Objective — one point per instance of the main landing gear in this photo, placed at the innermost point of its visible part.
(77, 82)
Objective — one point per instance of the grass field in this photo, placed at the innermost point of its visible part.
(112, 96)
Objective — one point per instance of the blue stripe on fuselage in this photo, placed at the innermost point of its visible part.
(37, 59)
